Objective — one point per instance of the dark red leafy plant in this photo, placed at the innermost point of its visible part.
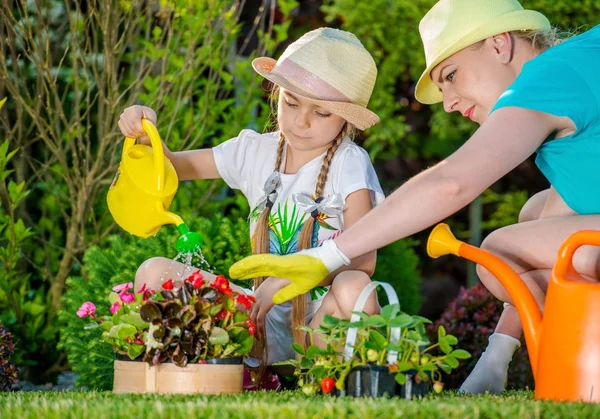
(197, 322)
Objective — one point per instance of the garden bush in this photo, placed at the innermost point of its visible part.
(472, 317)
(8, 371)
(398, 264)
(225, 242)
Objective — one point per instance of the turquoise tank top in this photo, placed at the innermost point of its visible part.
(565, 81)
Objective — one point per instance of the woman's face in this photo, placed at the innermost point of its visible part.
(472, 80)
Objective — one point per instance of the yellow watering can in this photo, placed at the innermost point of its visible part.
(142, 190)
(564, 342)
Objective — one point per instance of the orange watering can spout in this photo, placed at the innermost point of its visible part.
(442, 242)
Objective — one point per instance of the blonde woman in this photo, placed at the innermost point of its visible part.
(305, 182)
(498, 65)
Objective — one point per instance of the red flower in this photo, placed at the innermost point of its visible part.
(168, 285)
(222, 284)
(197, 279)
(246, 300)
(251, 327)
(221, 314)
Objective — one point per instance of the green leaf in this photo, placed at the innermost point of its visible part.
(329, 321)
(2, 102)
(246, 345)
(460, 354)
(312, 351)
(298, 349)
(218, 336)
(446, 368)
(378, 339)
(125, 331)
(305, 363)
(214, 310)
(113, 297)
(441, 332)
(375, 321)
(390, 311)
(135, 350)
(444, 346)
(400, 378)
(404, 366)
(403, 321)
(452, 340)
(451, 361)
(134, 319)
(240, 317)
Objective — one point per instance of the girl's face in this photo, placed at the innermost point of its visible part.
(306, 127)
(472, 80)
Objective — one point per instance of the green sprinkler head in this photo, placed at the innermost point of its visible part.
(189, 242)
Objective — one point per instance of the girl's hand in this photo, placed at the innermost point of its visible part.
(264, 302)
(130, 122)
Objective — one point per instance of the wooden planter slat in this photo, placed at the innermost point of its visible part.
(139, 377)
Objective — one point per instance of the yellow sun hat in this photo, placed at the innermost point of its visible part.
(452, 25)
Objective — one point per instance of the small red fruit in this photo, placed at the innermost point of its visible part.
(327, 385)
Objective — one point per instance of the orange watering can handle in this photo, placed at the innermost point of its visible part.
(159, 155)
(564, 263)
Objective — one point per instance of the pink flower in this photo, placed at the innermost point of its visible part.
(127, 297)
(115, 307)
(146, 291)
(123, 287)
(86, 309)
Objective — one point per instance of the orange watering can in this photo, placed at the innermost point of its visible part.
(564, 343)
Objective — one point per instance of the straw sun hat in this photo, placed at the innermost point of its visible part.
(452, 25)
(329, 68)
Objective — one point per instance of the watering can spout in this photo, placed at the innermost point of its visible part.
(442, 242)
(189, 242)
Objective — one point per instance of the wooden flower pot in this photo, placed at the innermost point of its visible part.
(217, 376)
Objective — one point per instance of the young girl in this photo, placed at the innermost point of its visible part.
(305, 182)
(498, 65)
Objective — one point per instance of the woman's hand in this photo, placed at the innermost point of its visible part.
(305, 269)
(264, 301)
(130, 122)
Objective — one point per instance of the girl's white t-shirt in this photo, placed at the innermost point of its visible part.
(247, 161)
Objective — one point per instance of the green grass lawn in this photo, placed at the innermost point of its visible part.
(91, 405)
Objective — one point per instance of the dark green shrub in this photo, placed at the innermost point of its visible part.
(397, 264)
(8, 371)
(472, 317)
(225, 242)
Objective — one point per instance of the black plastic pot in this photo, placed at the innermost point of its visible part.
(411, 389)
(370, 381)
(226, 361)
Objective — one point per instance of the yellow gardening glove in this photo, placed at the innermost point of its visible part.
(305, 269)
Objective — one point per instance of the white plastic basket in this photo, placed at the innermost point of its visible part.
(360, 304)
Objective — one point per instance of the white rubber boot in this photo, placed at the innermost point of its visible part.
(490, 372)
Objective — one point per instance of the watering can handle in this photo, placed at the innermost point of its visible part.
(159, 155)
(358, 306)
(564, 262)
